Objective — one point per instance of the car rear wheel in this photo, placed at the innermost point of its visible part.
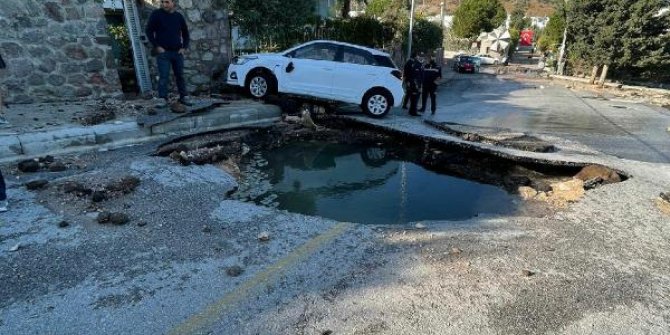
(377, 103)
(258, 85)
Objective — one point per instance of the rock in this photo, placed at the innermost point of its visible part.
(29, 165)
(598, 171)
(37, 184)
(570, 191)
(16, 247)
(455, 251)
(420, 226)
(141, 223)
(527, 193)
(47, 159)
(206, 229)
(104, 217)
(527, 273)
(234, 271)
(593, 183)
(663, 205)
(63, 224)
(126, 185)
(542, 196)
(665, 196)
(77, 188)
(264, 236)
(98, 196)
(119, 218)
(231, 167)
(57, 167)
(540, 185)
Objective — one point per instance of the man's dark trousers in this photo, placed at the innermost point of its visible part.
(413, 96)
(428, 89)
(3, 192)
(166, 60)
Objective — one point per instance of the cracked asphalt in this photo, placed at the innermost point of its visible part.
(190, 260)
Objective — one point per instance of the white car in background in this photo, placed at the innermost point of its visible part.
(488, 60)
(323, 71)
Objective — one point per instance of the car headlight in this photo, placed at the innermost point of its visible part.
(242, 60)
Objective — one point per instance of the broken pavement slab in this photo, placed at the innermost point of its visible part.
(495, 136)
(75, 137)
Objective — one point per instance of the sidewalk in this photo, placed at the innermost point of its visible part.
(56, 128)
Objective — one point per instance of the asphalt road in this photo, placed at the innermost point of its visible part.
(616, 127)
(190, 261)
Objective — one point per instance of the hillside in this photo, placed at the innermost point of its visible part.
(535, 7)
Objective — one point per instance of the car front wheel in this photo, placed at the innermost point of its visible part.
(377, 103)
(259, 85)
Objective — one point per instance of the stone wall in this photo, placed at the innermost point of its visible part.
(60, 50)
(55, 50)
(210, 49)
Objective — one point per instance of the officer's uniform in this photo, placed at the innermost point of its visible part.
(431, 73)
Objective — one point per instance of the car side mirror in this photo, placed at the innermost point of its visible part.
(290, 67)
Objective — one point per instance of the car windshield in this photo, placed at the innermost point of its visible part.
(467, 59)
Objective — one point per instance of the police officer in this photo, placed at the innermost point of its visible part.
(431, 74)
(412, 78)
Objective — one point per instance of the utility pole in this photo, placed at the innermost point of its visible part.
(560, 68)
(411, 27)
(442, 14)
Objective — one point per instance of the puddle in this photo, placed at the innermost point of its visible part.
(363, 183)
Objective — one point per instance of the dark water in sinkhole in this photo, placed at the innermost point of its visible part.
(364, 184)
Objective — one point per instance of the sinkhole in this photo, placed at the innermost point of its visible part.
(364, 183)
(348, 170)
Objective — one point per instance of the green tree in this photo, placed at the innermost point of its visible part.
(362, 30)
(631, 37)
(273, 24)
(475, 16)
(384, 8)
(552, 35)
(426, 36)
(518, 19)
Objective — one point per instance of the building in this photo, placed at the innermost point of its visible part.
(63, 50)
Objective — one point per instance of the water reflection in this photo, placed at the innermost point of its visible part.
(368, 184)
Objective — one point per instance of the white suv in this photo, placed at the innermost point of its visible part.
(323, 70)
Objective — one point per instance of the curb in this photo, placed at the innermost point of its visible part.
(14, 147)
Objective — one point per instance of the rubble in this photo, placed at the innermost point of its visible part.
(37, 184)
(234, 271)
(593, 173)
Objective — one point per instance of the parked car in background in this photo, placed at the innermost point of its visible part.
(466, 64)
(488, 60)
(323, 70)
(455, 60)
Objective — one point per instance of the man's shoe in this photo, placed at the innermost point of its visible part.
(178, 108)
(3, 206)
(186, 101)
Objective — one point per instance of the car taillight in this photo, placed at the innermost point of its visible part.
(397, 74)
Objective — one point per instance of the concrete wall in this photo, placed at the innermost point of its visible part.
(210, 49)
(55, 50)
(59, 50)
